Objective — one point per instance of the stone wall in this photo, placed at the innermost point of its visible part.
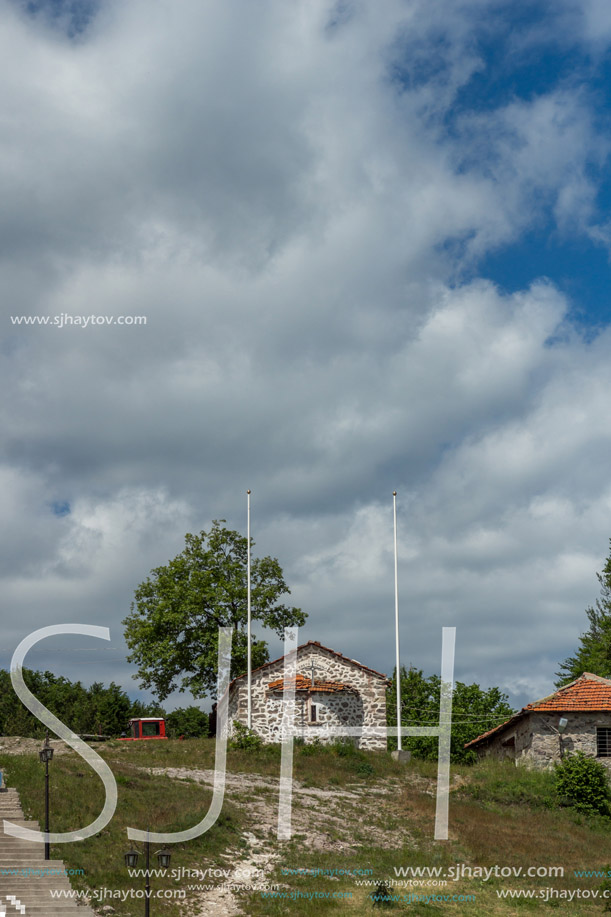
(364, 704)
(537, 744)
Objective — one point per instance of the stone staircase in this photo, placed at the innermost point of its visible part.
(30, 894)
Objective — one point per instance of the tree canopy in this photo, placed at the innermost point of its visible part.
(594, 651)
(172, 630)
(190, 722)
(93, 710)
(474, 711)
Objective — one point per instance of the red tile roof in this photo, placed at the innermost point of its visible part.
(587, 694)
(304, 683)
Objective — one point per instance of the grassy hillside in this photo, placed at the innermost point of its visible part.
(358, 815)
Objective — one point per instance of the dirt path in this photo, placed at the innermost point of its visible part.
(337, 820)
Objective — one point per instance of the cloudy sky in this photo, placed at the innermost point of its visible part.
(371, 244)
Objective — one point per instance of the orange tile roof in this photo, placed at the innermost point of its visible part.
(586, 694)
(304, 683)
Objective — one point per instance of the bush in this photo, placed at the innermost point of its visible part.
(365, 769)
(345, 748)
(582, 781)
(244, 738)
(605, 888)
(382, 896)
(190, 722)
(310, 749)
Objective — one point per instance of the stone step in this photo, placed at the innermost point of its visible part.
(47, 906)
(18, 857)
(11, 840)
(17, 820)
(44, 901)
(34, 885)
(38, 893)
(24, 856)
(16, 843)
(35, 882)
(74, 911)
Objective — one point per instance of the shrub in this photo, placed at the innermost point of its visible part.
(582, 782)
(345, 748)
(244, 738)
(382, 896)
(605, 888)
(365, 769)
(310, 749)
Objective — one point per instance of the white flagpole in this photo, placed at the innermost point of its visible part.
(249, 661)
(398, 669)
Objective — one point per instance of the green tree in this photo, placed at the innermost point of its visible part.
(594, 650)
(84, 710)
(172, 630)
(474, 711)
(190, 722)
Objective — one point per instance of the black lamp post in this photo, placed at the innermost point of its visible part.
(131, 861)
(46, 754)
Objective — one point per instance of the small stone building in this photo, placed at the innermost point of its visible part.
(533, 736)
(330, 690)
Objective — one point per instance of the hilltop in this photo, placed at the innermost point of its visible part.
(359, 819)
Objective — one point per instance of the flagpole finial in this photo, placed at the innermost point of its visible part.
(248, 491)
(394, 493)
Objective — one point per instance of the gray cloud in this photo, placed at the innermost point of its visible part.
(291, 218)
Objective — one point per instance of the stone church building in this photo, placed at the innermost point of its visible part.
(577, 717)
(330, 690)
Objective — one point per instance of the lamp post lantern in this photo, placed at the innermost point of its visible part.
(131, 861)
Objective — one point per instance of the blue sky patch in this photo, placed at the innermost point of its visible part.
(60, 508)
(71, 16)
(577, 267)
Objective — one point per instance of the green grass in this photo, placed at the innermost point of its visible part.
(500, 814)
(144, 801)
(503, 783)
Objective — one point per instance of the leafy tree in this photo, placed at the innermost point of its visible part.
(85, 710)
(474, 711)
(190, 722)
(594, 651)
(173, 626)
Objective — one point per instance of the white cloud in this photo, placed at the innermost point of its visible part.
(276, 189)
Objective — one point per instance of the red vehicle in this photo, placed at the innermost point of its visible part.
(145, 727)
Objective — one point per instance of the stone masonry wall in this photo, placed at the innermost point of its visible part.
(365, 704)
(537, 745)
